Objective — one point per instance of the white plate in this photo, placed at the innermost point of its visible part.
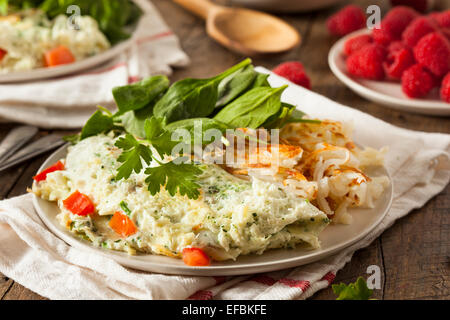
(45, 73)
(333, 239)
(383, 92)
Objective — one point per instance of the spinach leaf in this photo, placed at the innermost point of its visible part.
(134, 121)
(260, 80)
(279, 119)
(97, 123)
(138, 95)
(297, 116)
(72, 138)
(197, 127)
(161, 138)
(192, 98)
(234, 85)
(252, 109)
(205, 123)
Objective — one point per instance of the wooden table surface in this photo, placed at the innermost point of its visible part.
(413, 255)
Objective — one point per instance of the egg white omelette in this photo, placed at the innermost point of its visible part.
(231, 217)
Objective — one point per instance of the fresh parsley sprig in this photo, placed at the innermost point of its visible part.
(175, 178)
(132, 155)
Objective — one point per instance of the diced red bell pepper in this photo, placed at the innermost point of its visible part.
(2, 54)
(79, 203)
(195, 257)
(58, 56)
(122, 225)
(58, 166)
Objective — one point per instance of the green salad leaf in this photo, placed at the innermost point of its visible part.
(253, 108)
(164, 141)
(234, 85)
(353, 291)
(139, 94)
(97, 123)
(192, 98)
(134, 121)
(260, 80)
(297, 116)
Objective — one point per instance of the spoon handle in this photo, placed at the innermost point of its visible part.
(199, 7)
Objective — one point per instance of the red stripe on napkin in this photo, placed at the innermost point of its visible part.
(201, 295)
(117, 65)
(302, 284)
(329, 277)
(154, 37)
(133, 79)
(268, 281)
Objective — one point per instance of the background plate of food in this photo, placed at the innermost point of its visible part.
(388, 93)
(270, 189)
(48, 41)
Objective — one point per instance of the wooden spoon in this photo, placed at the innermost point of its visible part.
(244, 31)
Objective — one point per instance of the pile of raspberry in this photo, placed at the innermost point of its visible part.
(407, 47)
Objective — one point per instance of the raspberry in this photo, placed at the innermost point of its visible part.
(445, 88)
(397, 62)
(354, 44)
(443, 19)
(433, 52)
(294, 72)
(367, 62)
(396, 46)
(417, 82)
(419, 5)
(446, 32)
(393, 25)
(434, 15)
(346, 20)
(417, 29)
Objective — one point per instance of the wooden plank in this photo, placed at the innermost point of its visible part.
(361, 260)
(5, 284)
(416, 253)
(15, 290)
(19, 292)
(207, 57)
(14, 182)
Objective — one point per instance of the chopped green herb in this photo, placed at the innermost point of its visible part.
(125, 208)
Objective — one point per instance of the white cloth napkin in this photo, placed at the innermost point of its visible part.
(31, 255)
(67, 102)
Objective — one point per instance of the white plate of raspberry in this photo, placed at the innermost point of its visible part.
(387, 93)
